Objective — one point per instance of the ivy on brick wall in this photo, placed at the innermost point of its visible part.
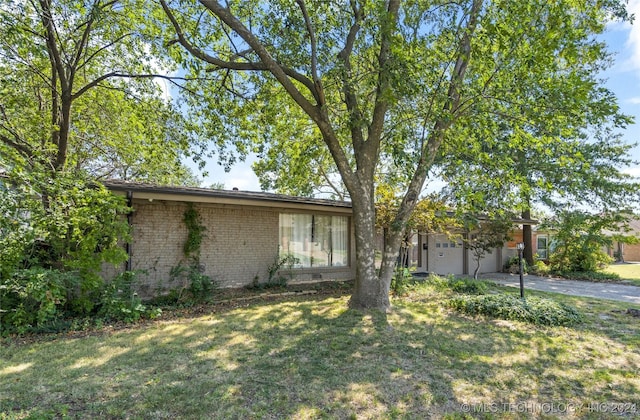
(195, 233)
(192, 276)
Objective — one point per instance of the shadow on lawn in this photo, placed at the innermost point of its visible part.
(295, 359)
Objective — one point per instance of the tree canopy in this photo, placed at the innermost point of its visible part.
(401, 88)
(77, 93)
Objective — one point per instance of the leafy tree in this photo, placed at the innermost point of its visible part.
(383, 83)
(557, 144)
(77, 92)
(76, 233)
(77, 103)
(580, 238)
(485, 236)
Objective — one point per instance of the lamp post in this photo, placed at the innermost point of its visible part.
(520, 248)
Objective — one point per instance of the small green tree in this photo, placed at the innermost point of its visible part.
(486, 235)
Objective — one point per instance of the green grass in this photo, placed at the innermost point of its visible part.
(629, 273)
(313, 358)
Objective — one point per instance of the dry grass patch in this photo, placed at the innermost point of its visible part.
(313, 358)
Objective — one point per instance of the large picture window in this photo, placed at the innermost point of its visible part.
(315, 240)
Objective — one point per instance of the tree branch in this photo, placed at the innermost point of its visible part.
(99, 50)
(269, 62)
(231, 65)
(80, 46)
(350, 97)
(314, 53)
(384, 77)
(444, 122)
(115, 74)
(52, 48)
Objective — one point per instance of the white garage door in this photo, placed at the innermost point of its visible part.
(445, 255)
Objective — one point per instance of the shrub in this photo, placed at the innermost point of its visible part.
(401, 280)
(540, 268)
(120, 302)
(30, 298)
(275, 279)
(468, 286)
(201, 286)
(65, 224)
(458, 285)
(198, 285)
(513, 265)
(580, 240)
(534, 310)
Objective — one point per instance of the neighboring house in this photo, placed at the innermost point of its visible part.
(626, 252)
(245, 234)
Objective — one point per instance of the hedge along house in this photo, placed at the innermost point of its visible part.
(245, 234)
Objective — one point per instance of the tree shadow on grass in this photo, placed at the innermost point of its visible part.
(310, 358)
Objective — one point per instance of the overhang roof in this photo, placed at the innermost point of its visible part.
(195, 194)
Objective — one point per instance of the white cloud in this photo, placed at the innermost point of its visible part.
(634, 171)
(633, 101)
(633, 41)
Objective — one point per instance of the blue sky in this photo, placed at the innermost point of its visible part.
(623, 79)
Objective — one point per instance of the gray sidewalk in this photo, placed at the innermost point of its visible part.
(611, 291)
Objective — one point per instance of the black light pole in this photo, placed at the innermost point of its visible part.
(520, 247)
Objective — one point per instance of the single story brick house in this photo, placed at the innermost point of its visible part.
(245, 232)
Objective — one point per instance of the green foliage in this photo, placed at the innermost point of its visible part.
(197, 285)
(195, 233)
(201, 286)
(468, 286)
(401, 281)
(120, 302)
(513, 265)
(31, 298)
(534, 310)
(93, 120)
(579, 240)
(46, 300)
(539, 268)
(16, 233)
(59, 231)
(68, 224)
(458, 285)
(275, 278)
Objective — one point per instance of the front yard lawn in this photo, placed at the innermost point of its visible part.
(305, 357)
(628, 272)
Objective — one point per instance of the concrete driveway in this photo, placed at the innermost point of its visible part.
(611, 291)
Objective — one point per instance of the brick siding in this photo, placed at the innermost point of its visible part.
(239, 244)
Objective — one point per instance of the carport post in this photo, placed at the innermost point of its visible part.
(520, 247)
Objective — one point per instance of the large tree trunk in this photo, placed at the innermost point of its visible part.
(371, 291)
